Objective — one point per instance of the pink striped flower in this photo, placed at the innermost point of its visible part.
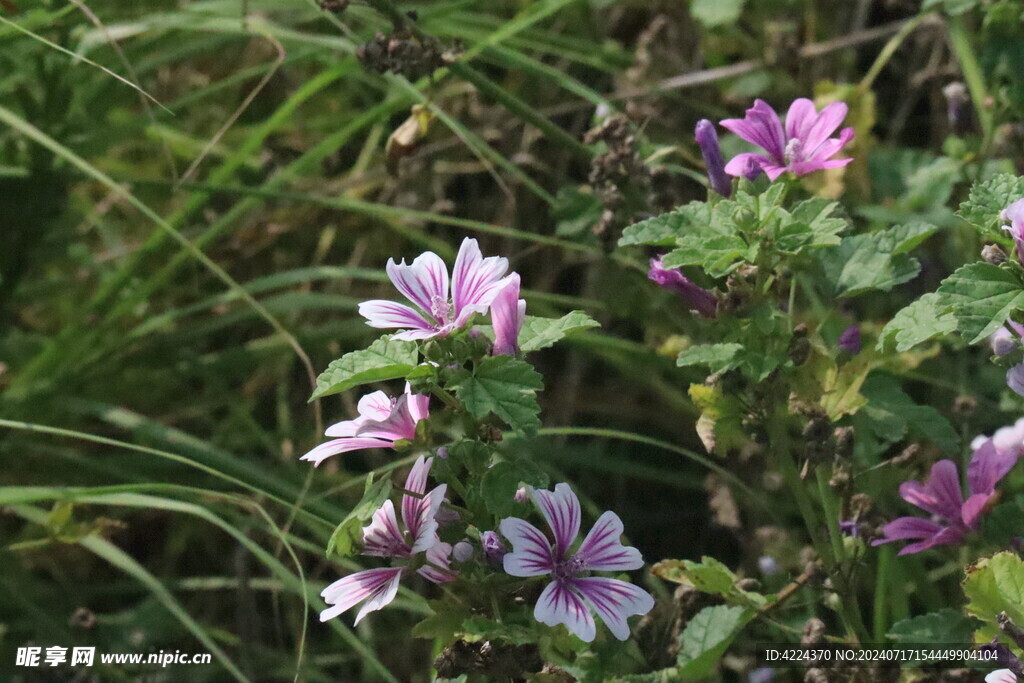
(382, 421)
(1001, 676)
(952, 516)
(802, 147)
(508, 312)
(571, 595)
(383, 537)
(474, 284)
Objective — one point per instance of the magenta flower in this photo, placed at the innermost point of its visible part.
(383, 537)
(1014, 213)
(849, 340)
(570, 596)
(1001, 676)
(952, 516)
(508, 312)
(382, 421)
(696, 298)
(803, 147)
(474, 284)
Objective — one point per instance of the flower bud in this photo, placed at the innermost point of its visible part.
(462, 552)
(1015, 378)
(494, 549)
(522, 495)
(994, 254)
(442, 452)
(707, 138)
(849, 340)
(697, 298)
(768, 565)
(1003, 342)
(958, 110)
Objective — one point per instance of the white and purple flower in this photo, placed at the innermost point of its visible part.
(802, 147)
(508, 312)
(952, 516)
(1014, 215)
(382, 421)
(475, 282)
(571, 596)
(1001, 676)
(383, 537)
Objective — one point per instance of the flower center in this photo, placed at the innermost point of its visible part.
(794, 151)
(441, 309)
(566, 570)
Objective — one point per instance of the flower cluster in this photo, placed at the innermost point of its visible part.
(478, 286)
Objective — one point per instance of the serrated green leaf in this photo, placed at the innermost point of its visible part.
(384, 359)
(445, 621)
(947, 626)
(810, 224)
(499, 484)
(663, 230)
(982, 298)
(988, 198)
(717, 254)
(349, 532)
(993, 585)
(502, 385)
(874, 261)
(540, 333)
(488, 629)
(717, 357)
(720, 425)
(929, 317)
(706, 637)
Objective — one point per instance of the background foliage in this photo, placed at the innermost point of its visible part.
(194, 196)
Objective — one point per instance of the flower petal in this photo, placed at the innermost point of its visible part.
(349, 591)
(825, 123)
(422, 523)
(424, 282)
(382, 536)
(475, 279)
(531, 550)
(561, 510)
(988, 466)
(614, 601)
(762, 127)
(1001, 676)
(336, 446)
(941, 495)
(508, 312)
(1015, 379)
(380, 599)
(559, 604)
(387, 314)
(973, 508)
(397, 425)
(439, 554)
(907, 528)
(419, 404)
(800, 118)
(602, 550)
(375, 406)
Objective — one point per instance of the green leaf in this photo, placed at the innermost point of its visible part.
(499, 484)
(720, 425)
(717, 254)
(988, 199)
(384, 359)
(706, 637)
(929, 317)
(713, 13)
(488, 629)
(874, 261)
(663, 230)
(993, 585)
(947, 626)
(540, 333)
(810, 224)
(708, 576)
(717, 357)
(502, 385)
(893, 413)
(349, 532)
(445, 622)
(982, 297)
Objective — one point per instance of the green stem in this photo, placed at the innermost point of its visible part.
(882, 579)
(972, 72)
